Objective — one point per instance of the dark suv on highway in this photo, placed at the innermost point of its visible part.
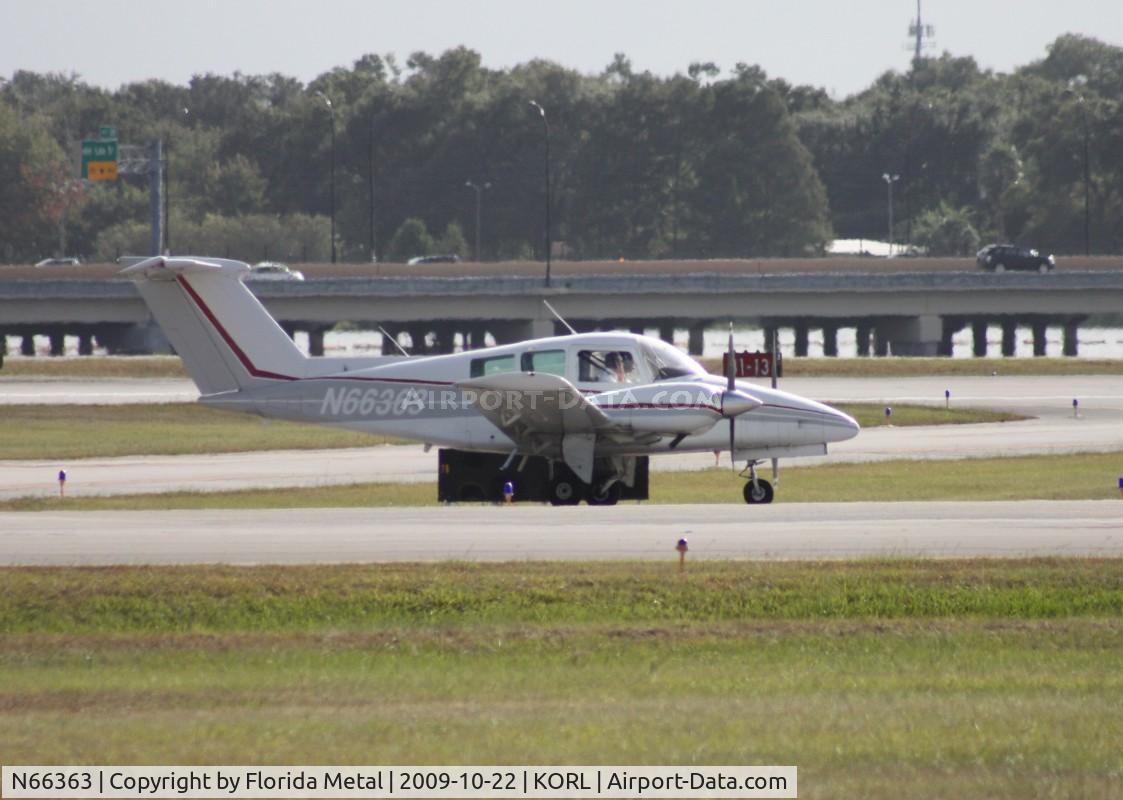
(1001, 257)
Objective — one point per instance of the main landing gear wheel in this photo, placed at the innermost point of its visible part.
(564, 493)
(607, 497)
(758, 491)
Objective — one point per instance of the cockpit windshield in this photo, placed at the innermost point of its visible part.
(667, 361)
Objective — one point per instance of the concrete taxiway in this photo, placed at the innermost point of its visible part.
(487, 533)
(1055, 430)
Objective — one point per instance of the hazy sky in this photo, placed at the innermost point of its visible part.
(840, 45)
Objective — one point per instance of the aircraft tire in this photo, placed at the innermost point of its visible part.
(564, 493)
(610, 496)
(761, 493)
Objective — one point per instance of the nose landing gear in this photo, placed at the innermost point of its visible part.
(757, 490)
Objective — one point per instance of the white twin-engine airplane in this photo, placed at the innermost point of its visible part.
(590, 403)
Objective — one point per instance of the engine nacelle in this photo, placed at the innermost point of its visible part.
(672, 407)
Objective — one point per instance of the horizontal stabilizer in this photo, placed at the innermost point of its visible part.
(167, 267)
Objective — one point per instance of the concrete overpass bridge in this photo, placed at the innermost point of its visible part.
(899, 306)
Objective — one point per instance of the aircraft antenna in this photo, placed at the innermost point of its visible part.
(393, 339)
(560, 318)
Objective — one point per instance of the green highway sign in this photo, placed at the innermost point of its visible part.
(106, 132)
(99, 159)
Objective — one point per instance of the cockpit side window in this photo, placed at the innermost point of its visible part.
(668, 362)
(550, 362)
(481, 367)
(607, 366)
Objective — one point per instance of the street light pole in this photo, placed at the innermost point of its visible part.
(1087, 225)
(167, 188)
(1071, 91)
(331, 113)
(370, 186)
(479, 192)
(546, 129)
(889, 181)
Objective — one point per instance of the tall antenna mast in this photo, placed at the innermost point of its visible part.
(921, 34)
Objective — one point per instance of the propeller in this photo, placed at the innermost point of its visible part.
(734, 402)
(776, 366)
(730, 388)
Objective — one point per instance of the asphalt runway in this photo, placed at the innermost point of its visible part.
(104, 391)
(487, 533)
(1055, 431)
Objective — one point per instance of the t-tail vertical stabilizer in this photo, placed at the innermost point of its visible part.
(226, 338)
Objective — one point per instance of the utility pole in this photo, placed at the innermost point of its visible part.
(370, 185)
(1087, 181)
(331, 113)
(479, 192)
(549, 243)
(889, 181)
(156, 196)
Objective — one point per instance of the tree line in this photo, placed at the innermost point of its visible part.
(702, 164)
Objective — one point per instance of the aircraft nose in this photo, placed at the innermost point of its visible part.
(841, 427)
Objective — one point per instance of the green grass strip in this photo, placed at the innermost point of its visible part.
(207, 599)
(104, 431)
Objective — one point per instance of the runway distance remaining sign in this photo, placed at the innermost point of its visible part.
(749, 365)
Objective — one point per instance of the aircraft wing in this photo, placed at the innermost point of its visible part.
(543, 415)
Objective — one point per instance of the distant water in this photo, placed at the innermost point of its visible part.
(1093, 342)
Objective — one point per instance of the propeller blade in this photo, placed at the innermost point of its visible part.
(732, 442)
(731, 366)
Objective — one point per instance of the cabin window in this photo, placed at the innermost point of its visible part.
(550, 362)
(607, 366)
(482, 367)
(667, 362)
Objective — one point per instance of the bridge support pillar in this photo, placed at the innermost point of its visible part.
(910, 336)
(418, 344)
(1009, 337)
(1039, 330)
(697, 344)
(388, 346)
(771, 334)
(830, 341)
(58, 343)
(801, 340)
(315, 341)
(667, 333)
(950, 327)
(880, 340)
(979, 338)
(862, 334)
(27, 345)
(85, 344)
(1071, 345)
(474, 337)
(445, 338)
